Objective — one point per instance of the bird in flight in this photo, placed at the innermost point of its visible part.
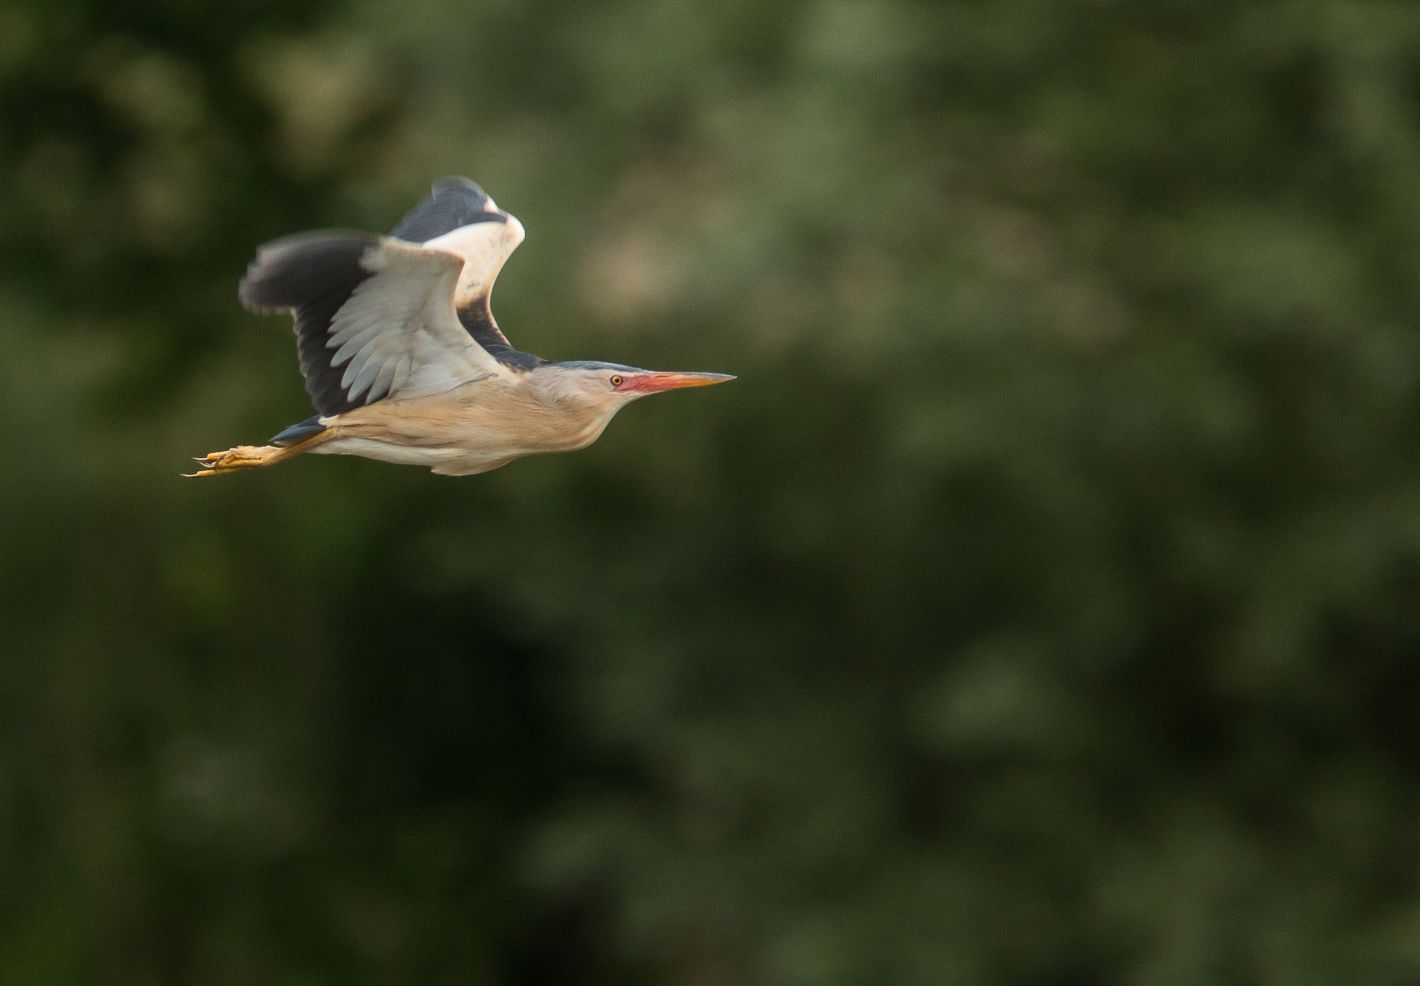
(403, 360)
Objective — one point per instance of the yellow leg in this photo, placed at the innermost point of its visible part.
(254, 456)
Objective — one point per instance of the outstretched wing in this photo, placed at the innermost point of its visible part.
(460, 217)
(374, 316)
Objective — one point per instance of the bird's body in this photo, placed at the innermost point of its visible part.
(492, 422)
(403, 359)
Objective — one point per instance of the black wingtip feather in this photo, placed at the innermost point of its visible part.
(455, 201)
(288, 272)
(456, 183)
(312, 275)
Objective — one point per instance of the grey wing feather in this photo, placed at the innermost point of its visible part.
(373, 316)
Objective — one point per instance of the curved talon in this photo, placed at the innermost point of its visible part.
(214, 463)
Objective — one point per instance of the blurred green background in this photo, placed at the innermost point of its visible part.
(1041, 606)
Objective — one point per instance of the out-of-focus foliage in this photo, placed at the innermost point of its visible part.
(1041, 606)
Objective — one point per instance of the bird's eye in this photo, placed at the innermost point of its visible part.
(616, 380)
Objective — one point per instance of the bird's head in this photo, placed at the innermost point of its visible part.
(612, 386)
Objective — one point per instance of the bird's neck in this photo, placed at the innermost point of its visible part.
(562, 416)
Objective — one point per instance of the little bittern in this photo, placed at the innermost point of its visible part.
(401, 355)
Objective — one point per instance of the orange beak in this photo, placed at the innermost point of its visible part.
(653, 382)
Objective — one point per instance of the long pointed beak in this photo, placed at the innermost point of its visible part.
(654, 382)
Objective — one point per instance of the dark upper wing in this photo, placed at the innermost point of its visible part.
(461, 218)
(454, 202)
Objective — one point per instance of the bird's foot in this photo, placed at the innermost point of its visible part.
(237, 457)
